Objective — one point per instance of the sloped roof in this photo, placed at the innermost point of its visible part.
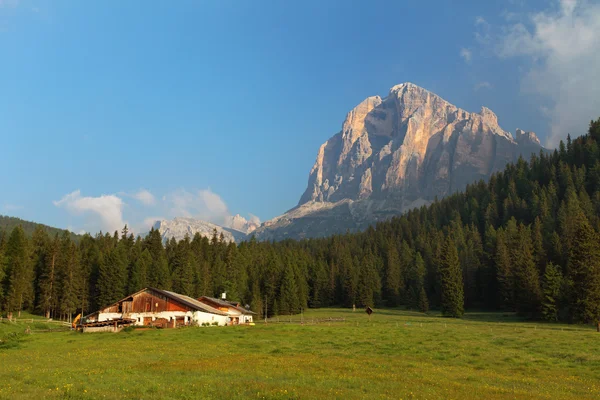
(192, 302)
(224, 303)
(181, 298)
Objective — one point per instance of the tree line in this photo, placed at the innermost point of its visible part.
(526, 241)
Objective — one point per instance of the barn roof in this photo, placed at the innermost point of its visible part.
(191, 302)
(225, 303)
(183, 299)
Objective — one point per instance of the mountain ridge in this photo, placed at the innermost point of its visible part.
(393, 154)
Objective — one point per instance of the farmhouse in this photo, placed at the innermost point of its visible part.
(236, 314)
(156, 307)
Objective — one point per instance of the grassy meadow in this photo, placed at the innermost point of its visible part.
(396, 355)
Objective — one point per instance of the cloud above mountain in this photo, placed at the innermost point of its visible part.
(560, 52)
(106, 212)
(145, 197)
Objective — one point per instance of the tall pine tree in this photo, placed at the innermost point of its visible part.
(453, 301)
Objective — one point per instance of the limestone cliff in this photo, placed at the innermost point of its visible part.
(393, 154)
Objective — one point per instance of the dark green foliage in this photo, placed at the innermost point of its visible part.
(7, 224)
(423, 304)
(584, 272)
(453, 301)
(139, 272)
(525, 241)
(394, 280)
(526, 278)
(551, 292)
(19, 272)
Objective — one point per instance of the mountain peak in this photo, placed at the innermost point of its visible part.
(527, 137)
(402, 151)
(401, 86)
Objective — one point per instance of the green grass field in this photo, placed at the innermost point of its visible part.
(396, 355)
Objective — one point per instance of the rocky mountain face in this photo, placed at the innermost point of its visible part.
(394, 154)
(235, 230)
(241, 224)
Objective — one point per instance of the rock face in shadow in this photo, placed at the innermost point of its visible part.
(394, 154)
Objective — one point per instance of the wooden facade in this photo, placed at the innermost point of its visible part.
(159, 308)
(146, 301)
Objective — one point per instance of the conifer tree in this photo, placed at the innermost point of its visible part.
(394, 281)
(256, 303)
(47, 287)
(527, 283)
(158, 274)
(183, 274)
(551, 292)
(423, 304)
(2, 272)
(70, 278)
(19, 293)
(504, 273)
(112, 275)
(288, 294)
(584, 271)
(138, 280)
(416, 281)
(451, 281)
(369, 282)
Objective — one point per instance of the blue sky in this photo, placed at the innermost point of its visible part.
(126, 111)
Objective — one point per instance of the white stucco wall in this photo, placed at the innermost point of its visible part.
(192, 318)
(202, 317)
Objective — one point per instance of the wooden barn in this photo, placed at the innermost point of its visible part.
(236, 314)
(156, 307)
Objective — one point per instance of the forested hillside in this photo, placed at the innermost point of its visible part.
(527, 240)
(7, 224)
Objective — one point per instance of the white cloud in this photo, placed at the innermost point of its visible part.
(204, 204)
(466, 54)
(482, 32)
(482, 85)
(145, 197)
(562, 51)
(106, 211)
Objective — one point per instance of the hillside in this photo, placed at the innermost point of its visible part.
(8, 223)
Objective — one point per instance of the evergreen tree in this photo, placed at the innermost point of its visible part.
(394, 281)
(112, 275)
(423, 302)
(451, 280)
(19, 292)
(183, 274)
(527, 285)
(139, 272)
(584, 271)
(47, 287)
(2, 270)
(70, 277)
(416, 281)
(551, 291)
(369, 282)
(256, 303)
(288, 295)
(504, 273)
(158, 274)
